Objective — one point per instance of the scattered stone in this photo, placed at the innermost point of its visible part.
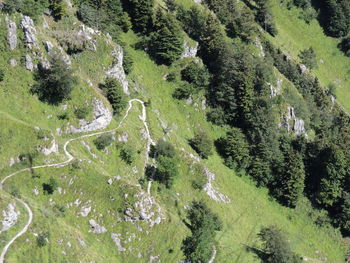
(302, 68)
(48, 46)
(211, 192)
(260, 47)
(110, 181)
(97, 229)
(69, 245)
(117, 240)
(89, 149)
(123, 137)
(85, 210)
(11, 33)
(189, 100)
(134, 170)
(10, 217)
(102, 118)
(13, 62)
(52, 149)
(36, 191)
(29, 63)
(45, 24)
(298, 125)
(82, 243)
(117, 71)
(189, 51)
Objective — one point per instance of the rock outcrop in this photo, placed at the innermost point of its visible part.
(11, 33)
(10, 217)
(29, 30)
(117, 240)
(275, 90)
(293, 124)
(102, 118)
(96, 228)
(52, 149)
(117, 71)
(189, 51)
(29, 63)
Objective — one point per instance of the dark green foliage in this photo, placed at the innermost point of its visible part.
(165, 43)
(32, 8)
(58, 8)
(2, 75)
(264, 17)
(235, 149)
(202, 144)
(127, 153)
(50, 187)
(289, 185)
(308, 58)
(276, 246)
(335, 17)
(184, 91)
(82, 112)
(333, 171)
(103, 141)
(141, 12)
(203, 223)
(165, 148)
(196, 74)
(166, 170)
(42, 239)
(127, 62)
(56, 83)
(14, 191)
(106, 15)
(115, 94)
(344, 45)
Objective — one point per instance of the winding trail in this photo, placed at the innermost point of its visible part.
(70, 157)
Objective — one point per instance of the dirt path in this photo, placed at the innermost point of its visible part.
(70, 157)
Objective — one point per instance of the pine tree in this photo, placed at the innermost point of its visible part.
(141, 12)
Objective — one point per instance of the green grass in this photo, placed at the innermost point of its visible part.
(250, 209)
(295, 35)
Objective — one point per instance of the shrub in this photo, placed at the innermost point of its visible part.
(2, 75)
(202, 144)
(115, 94)
(56, 83)
(276, 247)
(103, 141)
(165, 148)
(166, 170)
(196, 74)
(15, 192)
(127, 62)
(308, 58)
(184, 91)
(127, 154)
(344, 46)
(58, 9)
(82, 112)
(42, 239)
(72, 41)
(203, 224)
(50, 187)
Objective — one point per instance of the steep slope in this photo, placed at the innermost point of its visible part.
(101, 211)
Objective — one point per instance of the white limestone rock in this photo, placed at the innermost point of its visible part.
(10, 217)
(11, 33)
(117, 71)
(29, 30)
(189, 51)
(117, 240)
(97, 229)
(29, 63)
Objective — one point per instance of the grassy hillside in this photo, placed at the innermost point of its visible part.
(295, 35)
(85, 182)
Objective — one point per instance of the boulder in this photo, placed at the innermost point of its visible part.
(29, 63)
(189, 51)
(11, 33)
(29, 30)
(97, 229)
(117, 240)
(10, 217)
(13, 62)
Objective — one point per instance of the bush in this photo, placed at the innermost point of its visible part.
(56, 83)
(202, 144)
(42, 239)
(115, 94)
(196, 74)
(127, 62)
(72, 41)
(276, 247)
(203, 224)
(103, 141)
(308, 58)
(184, 91)
(165, 148)
(32, 8)
(166, 170)
(2, 75)
(58, 9)
(344, 46)
(50, 187)
(82, 112)
(127, 154)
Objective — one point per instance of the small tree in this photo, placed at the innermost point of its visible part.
(103, 141)
(115, 94)
(127, 154)
(196, 74)
(203, 224)
(50, 187)
(276, 247)
(165, 148)
(344, 45)
(166, 170)
(56, 83)
(82, 112)
(202, 144)
(2, 74)
(58, 8)
(308, 58)
(42, 239)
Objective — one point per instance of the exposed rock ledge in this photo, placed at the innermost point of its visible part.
(102, 118)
